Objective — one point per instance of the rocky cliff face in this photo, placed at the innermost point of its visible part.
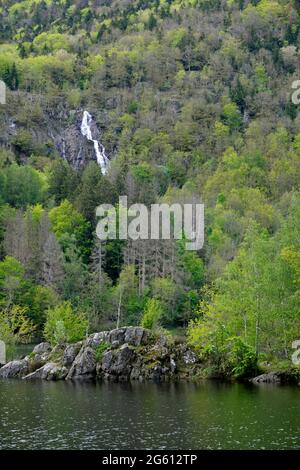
(72, 146)
(51, 129)
(131, 353)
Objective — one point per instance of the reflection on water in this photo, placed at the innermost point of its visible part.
(209, 415)
(19, 351)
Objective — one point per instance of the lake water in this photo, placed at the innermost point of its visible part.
(210, 415)
(19, 351)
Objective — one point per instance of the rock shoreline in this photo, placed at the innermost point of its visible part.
(290, 376)
(123, 354)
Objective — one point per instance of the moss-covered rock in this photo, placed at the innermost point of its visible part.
(128, 353)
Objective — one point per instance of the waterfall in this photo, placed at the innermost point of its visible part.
(86, 131)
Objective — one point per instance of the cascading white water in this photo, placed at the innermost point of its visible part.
(86, 131)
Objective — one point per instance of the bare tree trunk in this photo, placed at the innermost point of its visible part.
(143, 271)
(119, 308)
(256, 335)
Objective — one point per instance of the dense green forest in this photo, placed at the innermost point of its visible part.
(190, 98)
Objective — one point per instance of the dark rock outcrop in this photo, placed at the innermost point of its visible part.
(288, 376)
(270, 377)
(73, 147)
(96, 338)
(84, 365)
(42, 348)
(129, 353)
(70, 353)
(117, 364)
(58, 131)
(49, 371)
(136, 336)
(15, 369)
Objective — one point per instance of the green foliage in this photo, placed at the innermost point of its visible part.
(231, 116)
(39, 299)
(100, 350)
(249, 297)
(15, 326)
(23, 142)
(229, 355)
(12, 281)
(242, 359)
(168, 294)
(128, 302)
(158, 332)
(65, 325)
(61, 179)
(67, 222)
(65, 219)
(93, 191)
(193, 265)
(22, 185)
(184, 116)
(75, 272)
(152, 314)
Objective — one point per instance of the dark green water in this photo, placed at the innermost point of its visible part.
(19, 351)
(210, 415)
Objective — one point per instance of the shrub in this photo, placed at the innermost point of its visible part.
(230, 356)
(152, 314)
(65, 325)
(241, 359)
(15, 327)
(100, 350)
(159, 331)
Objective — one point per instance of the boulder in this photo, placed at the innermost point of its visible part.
(136, 374)
(117, 336)
(15, 369)
(50, 371)
(96, 338)
(42, 348)
(270, 377)
(84, 366)
(107, 360)
(70, 353)
(39, 356)
(117, 362)
(157, 373)
(189, 357)
(132, 335)
(122, 361)
(136, 335)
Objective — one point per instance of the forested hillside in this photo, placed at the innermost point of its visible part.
(189, 98)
